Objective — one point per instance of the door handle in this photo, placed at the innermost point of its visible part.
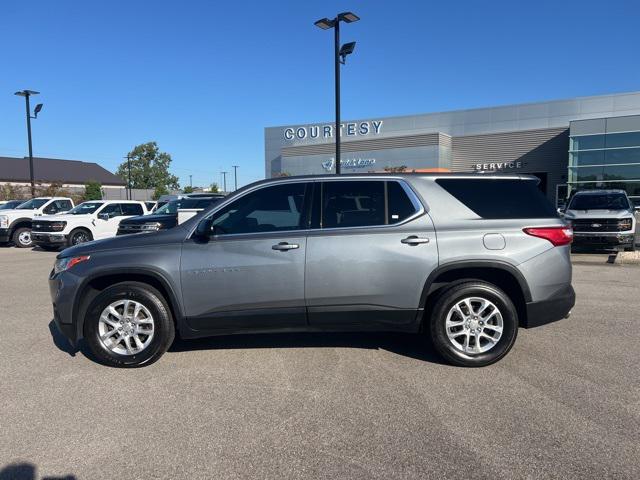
(284, 246)
(414, 240)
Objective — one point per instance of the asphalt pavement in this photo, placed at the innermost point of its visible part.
(565, 403)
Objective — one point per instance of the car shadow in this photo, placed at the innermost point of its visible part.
(415, 346)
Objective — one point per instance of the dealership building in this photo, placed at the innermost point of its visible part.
(575, 144)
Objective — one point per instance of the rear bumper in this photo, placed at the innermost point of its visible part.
(552, 309)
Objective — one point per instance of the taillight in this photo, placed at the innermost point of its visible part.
(558, 236)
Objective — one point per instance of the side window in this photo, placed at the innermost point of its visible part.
(65, 205)
(130, 209)
(270, 209)
(113, 210)
(400, 206)
(364, 203)
(352, 204)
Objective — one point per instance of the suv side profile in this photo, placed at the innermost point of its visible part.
(466, 259)
(93, 220)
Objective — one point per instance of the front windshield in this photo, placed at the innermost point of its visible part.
(85, 208)
(32, 204)
(601, 201)
(171, 207)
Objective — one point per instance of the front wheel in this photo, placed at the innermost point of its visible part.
(474, 324)
(79, 236)
(129, 325)
(22, 238)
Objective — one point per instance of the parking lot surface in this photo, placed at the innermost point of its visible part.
(565, 403)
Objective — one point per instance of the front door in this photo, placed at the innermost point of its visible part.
(250, 274)
(369, 256)
(107, 227)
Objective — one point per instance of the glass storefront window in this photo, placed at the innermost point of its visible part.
(621, 172)
(587, 142)
(628, 139)
(624, 155)
(585, 174)
(632, 188)
(595, 157)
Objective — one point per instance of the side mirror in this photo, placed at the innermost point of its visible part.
(204, 229)
(103, 216)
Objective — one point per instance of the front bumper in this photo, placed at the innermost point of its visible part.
(595, 238)
(4, 235)
(63, 289)
(554, 308)
(42, 238)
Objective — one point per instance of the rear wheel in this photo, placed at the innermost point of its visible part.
(78, 236)
(22, 237)
(473, 324)
(129, 325)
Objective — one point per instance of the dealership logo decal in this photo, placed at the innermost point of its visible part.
(329, 165)
(353, 129)
(481, 167)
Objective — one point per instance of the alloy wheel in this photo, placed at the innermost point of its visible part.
(474, 325)
(125, 327)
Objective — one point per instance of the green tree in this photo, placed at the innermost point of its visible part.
(149, 168)
(159, 191)
(187, 189)
(214, 188)
(93, 190)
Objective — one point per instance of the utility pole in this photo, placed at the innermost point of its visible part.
(235, 177)
(129, 192)
(191, 181)
(26, 94)
(224, 181)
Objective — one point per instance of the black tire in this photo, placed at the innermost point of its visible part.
(19, 237)
(152, 299)
(446, 301)
(49, 248)
(78, 236)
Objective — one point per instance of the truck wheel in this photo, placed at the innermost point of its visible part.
(473, 324)
(129, 325)
(22, 237)
(78, 236)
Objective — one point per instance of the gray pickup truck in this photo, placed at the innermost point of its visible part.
(602, 218)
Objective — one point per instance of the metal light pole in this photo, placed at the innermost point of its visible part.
(26, 94)
(191, 181)
(224, 181)
(340, 53)
(129, 192)
(235, 177)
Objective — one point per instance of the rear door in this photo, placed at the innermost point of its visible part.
(369, 255)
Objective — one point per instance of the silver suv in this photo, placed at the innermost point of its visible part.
(463, 258)
(602, 218)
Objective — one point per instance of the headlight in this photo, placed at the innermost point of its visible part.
(63, 264)
(625, 224)
(151, 227)
(4, 221)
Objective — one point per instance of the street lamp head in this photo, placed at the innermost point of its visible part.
(25, 93)
(346, 49)
(36, 110)
(324, 23)
(348, 17)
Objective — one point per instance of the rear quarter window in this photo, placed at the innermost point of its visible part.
(500, 198)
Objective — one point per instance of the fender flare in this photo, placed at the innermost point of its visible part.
(464, 264)
(13, 225)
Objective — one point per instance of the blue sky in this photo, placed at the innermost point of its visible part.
(204, 78)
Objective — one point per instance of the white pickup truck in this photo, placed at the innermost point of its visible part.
(15, 224)
(88, 221)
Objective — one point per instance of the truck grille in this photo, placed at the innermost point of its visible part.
(43, 226)
(596, 225)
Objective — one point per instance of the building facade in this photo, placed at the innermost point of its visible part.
(531, 138)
